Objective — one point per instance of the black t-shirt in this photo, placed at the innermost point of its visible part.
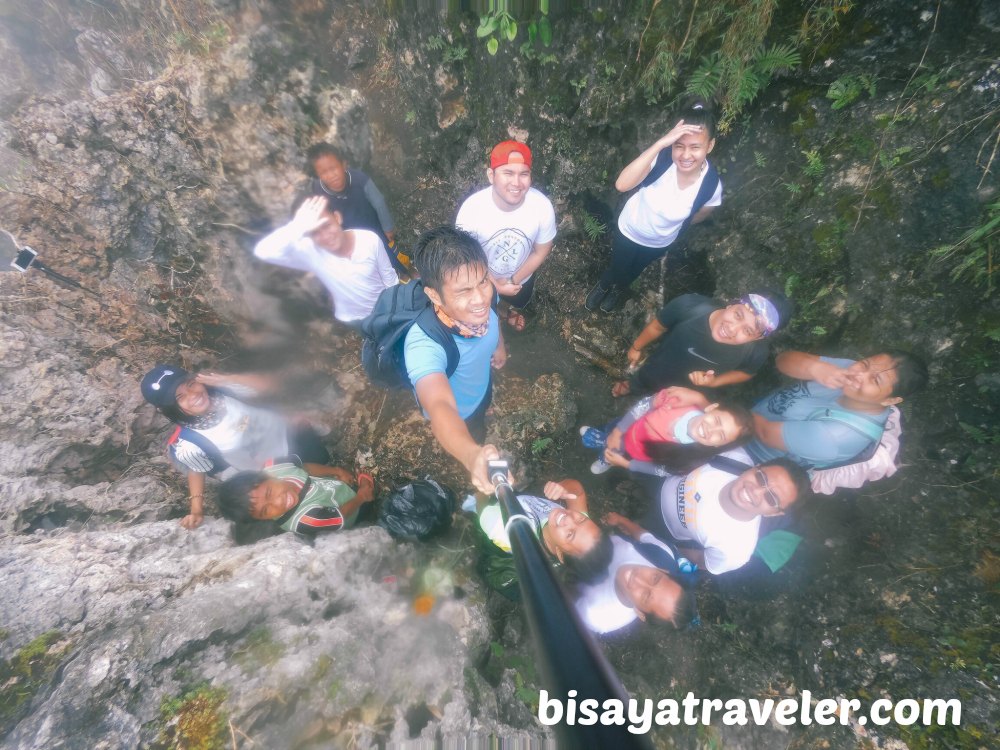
(688, 346)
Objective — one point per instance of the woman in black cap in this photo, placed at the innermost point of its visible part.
(217, 433)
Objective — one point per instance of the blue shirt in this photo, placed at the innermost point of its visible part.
(471, 378)
(811, 443)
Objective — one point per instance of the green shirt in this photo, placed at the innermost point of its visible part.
(319, 509)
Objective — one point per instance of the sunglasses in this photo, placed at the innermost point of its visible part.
(772, 499)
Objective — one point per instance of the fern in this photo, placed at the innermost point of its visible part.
(704, 82)
(778, 58)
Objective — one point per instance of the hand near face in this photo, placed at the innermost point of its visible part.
(677, 132)
(831, 376)
(555, 491)
(702, 377)
(214, 379)
(676, 395)
(310, 214)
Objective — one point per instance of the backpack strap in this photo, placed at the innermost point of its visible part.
(708, 186)
(862, 425)
(207, 447)
(728, 465)
(663, 161)
(431, 324)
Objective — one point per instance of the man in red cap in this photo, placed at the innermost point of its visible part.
(514, 223)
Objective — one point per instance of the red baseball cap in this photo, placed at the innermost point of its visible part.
(502, 152)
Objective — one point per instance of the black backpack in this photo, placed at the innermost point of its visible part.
(384, 332)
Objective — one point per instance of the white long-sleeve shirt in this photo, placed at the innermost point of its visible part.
(354, 282)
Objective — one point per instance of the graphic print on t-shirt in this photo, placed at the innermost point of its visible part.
(779, 401)
(687, 506)
(699, 356)
(506, 251)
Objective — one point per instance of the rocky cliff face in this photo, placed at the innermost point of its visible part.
(144, 151)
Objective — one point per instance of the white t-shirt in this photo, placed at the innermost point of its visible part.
(598, 605)
(508, 237)
(691, 511)
(355, 283)
(654, 215)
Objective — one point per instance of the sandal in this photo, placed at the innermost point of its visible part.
(621, 388)
(516, 320)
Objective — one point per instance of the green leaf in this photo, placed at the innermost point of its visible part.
(511, 31)
(545, 30)
(532, 32)
(492, 45)
(487, 25)
(543, 6)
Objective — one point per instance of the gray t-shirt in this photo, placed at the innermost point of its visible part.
(811, 442)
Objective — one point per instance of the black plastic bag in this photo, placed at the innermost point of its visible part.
(418, 510)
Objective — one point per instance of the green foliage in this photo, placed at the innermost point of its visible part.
(973, 257)
(737, 82)
(193, 720)
(793, 188)
(455, 54)
(450, 52)
(759, 159)
(540, 445)
(814, 164)
(593, 227)
(27, 671)
(846, 89)
(891, 160)
(410, 117)
(979, 435)
(258, 649)
(717, 51)
(500, 24)
(822, 17)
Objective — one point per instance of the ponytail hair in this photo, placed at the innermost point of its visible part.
(699, 112)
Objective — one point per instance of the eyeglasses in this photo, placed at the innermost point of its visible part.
(772, 499)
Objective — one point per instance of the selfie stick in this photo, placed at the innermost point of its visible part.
(35, 263)
(569, 659)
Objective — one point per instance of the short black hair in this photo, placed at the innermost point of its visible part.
(322, 149)
(911, 373)
(234, 495)
(798, 475)
(442, 251)
(685, 610)
(594, 563)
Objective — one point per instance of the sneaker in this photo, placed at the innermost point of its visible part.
(592, 438)
(469, 504)
(599, 466)
(595, 297)
(610, 301)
